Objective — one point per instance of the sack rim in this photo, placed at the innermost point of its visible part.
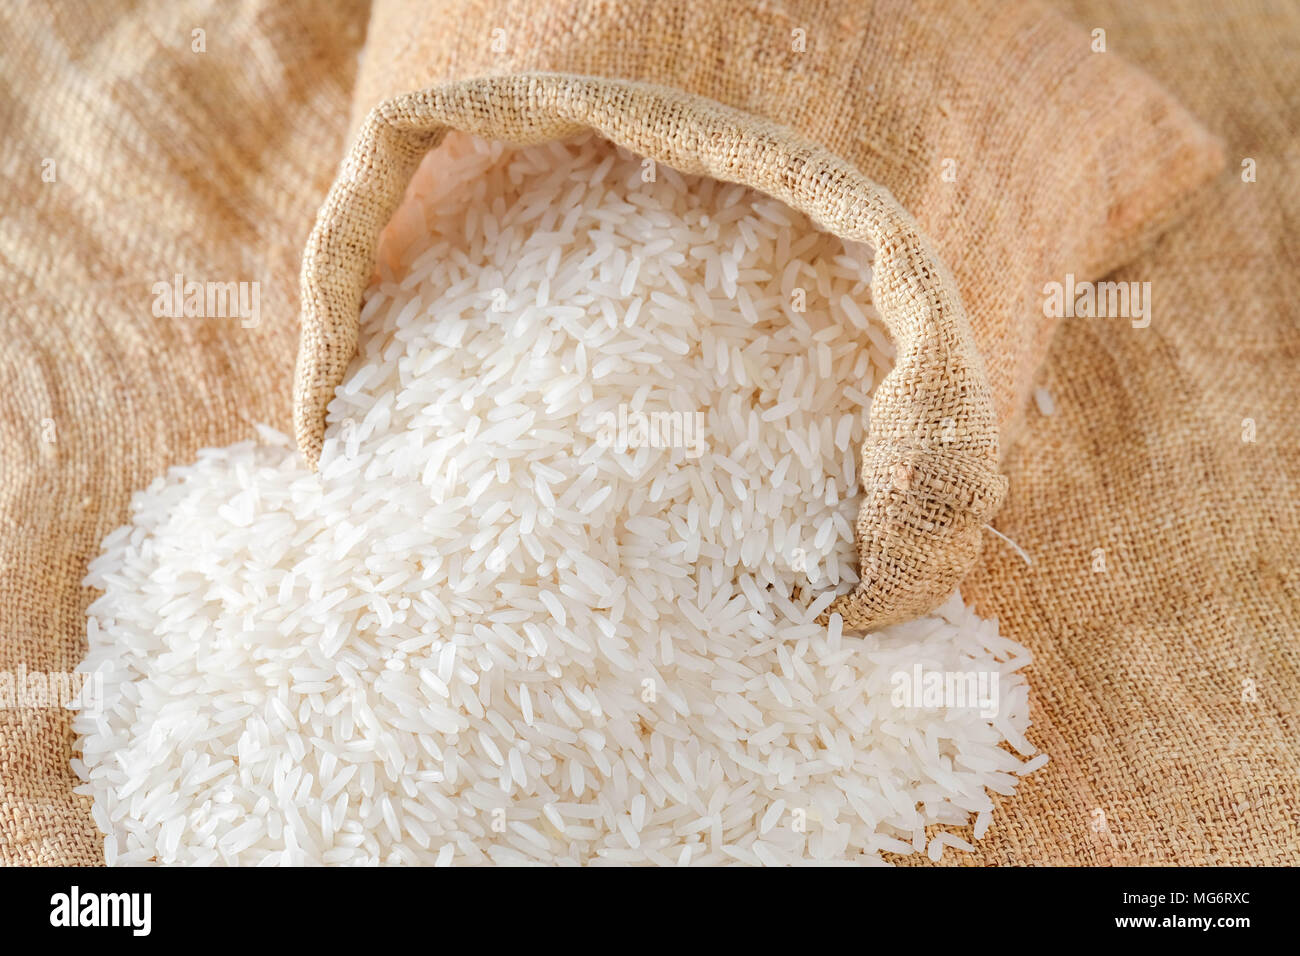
(937, 396)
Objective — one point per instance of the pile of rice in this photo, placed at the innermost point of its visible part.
(551, 596)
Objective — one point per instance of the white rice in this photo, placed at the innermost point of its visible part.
(489, 632)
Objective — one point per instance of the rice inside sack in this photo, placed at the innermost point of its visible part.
(538, 605)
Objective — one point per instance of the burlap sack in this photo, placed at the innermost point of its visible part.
(717, 95)
(213, 165)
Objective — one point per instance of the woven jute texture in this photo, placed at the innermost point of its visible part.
(1162, 686)
(163, 161)
(720, 101)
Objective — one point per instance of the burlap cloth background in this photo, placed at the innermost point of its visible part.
(213, 164)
